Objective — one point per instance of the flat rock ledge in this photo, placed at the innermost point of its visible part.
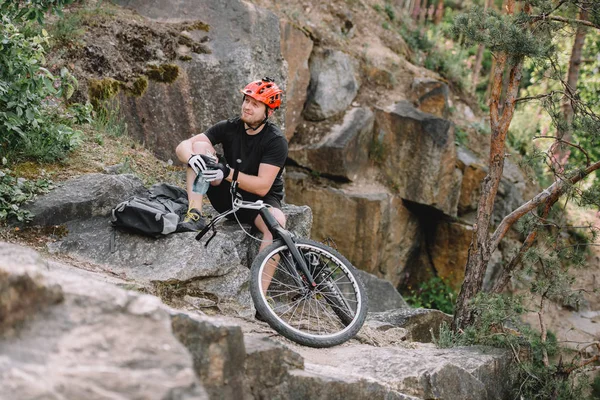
(95, 340)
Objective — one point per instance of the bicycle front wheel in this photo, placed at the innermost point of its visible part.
(327, 315)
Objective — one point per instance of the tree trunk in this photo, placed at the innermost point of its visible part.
(480, 250)
(439, 12)
(479, 56)
(560, 153)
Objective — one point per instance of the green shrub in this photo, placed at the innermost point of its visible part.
(435, 294)
(32, 122)
(16, 191)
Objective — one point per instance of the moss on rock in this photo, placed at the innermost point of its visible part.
(166, 73)
(101, 90)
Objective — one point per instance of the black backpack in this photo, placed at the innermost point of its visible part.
(155, 215)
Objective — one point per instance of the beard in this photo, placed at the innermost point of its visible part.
(252, 120)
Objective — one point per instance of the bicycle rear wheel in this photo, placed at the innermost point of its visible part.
(325, 316)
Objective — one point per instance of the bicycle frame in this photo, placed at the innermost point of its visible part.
(272, 224)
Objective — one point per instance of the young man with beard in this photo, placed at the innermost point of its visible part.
(251, 138)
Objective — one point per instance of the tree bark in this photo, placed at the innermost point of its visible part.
(439, 12)
(560, 153)
(479, 56)
(480, 250)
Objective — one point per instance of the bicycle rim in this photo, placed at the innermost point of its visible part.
(330, 314)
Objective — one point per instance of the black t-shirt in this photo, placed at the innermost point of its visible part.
(269, 146)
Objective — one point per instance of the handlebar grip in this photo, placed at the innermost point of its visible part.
(236, 170)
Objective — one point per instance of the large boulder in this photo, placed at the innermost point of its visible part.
(344, 151)
(431, 96)
(403, 372)
(369, 226)
(99, 342)
(333, 84)
(24, 291)
(421, 324)
(174, 265)
(382, 294)
(244, 44)
(83, 197)
(296, 48)
(417, 156)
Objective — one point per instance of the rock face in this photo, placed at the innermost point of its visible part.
(99, 342)
(382, 294)
(174, 264)
(333, 84)
(296, 48)
(430, 96)
(422, 325)
(417, 156)
(23, 290)
(86, 196)
(373, 230)
(244, 43)
(344, 152)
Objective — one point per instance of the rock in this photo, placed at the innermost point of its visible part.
(100, 342)
(430, 96)
(217, 352)
(333, 84)
(417, 156)
(420, 323)
(369, 226)
(23, 290)
(83, 197)
(344, 151)
(401, 372)
(268, 364)
(382, 295)
(449, 250)
(244, 44)
(473, 173)
(296, 48)
(511, 191)
(174, 265)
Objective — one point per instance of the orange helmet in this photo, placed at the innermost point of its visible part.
(265, 91)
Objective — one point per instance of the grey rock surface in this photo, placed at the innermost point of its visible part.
(244, 44)
(382, 294)
(344, 152)
(333, 84)
(100, 342)
(104, 342)
(421, 324)
(83, 197)
(418, 156)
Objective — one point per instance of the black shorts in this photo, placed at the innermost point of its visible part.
(220, 198)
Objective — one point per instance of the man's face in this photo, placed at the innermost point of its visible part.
(253, 111)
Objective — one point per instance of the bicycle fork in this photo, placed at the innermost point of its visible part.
(278, 231)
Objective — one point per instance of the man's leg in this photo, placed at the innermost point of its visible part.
(193, 220)
(267, 240)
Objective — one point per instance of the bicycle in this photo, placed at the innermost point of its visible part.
(304, 290)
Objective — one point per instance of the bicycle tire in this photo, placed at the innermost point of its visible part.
(333, 325)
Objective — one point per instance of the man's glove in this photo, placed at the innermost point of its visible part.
(216, 172)
(200, 163)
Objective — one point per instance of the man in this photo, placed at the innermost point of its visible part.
(252, 138)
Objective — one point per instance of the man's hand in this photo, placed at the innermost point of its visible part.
(200, 163)
(216, 172)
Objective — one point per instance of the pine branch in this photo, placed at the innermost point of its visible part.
(546, 17)
(585, 153)
(539, 96)
(557, 189)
